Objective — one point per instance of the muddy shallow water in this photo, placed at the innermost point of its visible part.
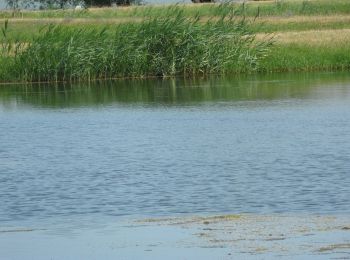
(76, 160)
(214, 237)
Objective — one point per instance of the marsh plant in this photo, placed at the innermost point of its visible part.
(9, 48)
(156, 47)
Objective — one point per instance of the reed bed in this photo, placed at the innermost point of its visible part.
(171, 45)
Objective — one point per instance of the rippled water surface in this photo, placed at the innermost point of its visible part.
(259, 144)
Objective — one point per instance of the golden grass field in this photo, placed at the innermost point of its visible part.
(315, 37)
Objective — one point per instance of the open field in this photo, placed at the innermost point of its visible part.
(314, 37)
(307, 35)
(25, 28)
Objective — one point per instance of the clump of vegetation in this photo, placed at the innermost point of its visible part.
(167, 46)
(9, 48)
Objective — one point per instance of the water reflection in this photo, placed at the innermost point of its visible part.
(174, 91)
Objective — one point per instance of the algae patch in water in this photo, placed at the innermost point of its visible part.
(264, 234)
(335, 247)
(191, 220)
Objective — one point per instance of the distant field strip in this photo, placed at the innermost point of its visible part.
(301, 23)
(315, 37)
(323, 19)
(312, 37)
(261, 24)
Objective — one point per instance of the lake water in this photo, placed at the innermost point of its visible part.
(80, 163)
(103, 151)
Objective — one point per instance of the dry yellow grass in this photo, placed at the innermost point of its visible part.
(273, 20)
(319, 19)
(315, 37)
(312, 37)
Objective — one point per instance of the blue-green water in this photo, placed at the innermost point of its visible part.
(128, 149)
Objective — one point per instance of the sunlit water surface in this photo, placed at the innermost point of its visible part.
(131, 149)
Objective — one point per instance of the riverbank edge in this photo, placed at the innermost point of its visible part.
(281, 59)
(304, 235)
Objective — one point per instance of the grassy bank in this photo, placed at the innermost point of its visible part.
(311, 50)
(298, 57)
(184, 40)
(158, 47)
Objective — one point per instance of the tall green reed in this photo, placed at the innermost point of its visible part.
(167, 46)
(9, 48)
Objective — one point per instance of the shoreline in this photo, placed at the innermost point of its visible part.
(215, 236)
(304, 36)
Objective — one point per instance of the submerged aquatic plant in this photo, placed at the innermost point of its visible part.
(167, 46)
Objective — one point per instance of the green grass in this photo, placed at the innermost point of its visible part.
(302, 57)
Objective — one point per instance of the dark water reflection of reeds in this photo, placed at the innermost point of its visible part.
(171, 91)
